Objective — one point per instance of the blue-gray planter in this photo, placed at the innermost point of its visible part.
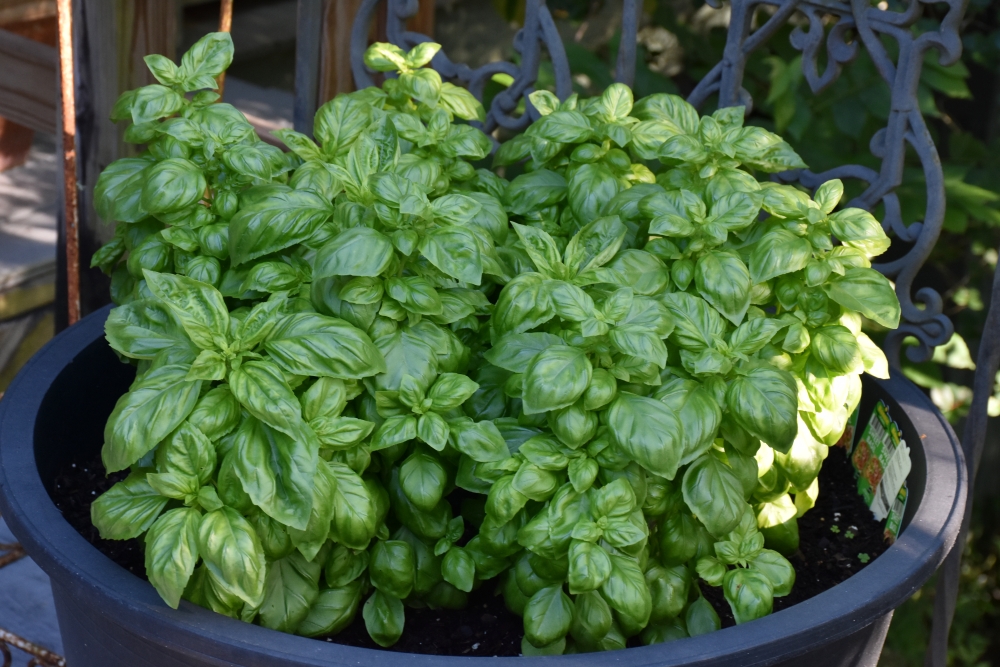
(60, 401)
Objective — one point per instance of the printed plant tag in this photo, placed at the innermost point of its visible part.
(882, 461)
(894, 521)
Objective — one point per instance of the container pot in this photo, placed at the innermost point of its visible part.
(56, 409)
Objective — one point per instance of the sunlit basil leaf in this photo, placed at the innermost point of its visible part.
(724, 281)
(868, 292)
(316, 345)
(857, 228)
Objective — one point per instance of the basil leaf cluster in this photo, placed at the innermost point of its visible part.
(371, 375)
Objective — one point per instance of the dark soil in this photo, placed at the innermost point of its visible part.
(485, 627)
(73, 490)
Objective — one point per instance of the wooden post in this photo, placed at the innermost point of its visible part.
(335, 69)
(111, 38)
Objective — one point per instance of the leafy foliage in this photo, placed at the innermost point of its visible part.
(626, 367)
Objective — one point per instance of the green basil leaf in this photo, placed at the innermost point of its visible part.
(668, 588)
(592, 618)
(591, 187)
(339, 123)
(154, 102)
(151, 410)
(523, 304)
(344, 566)
(868, 292)
(311, 539)
(333, 610)
(172, 551)
(700, 618)
(384, 618)
(405, 354)
(595, 244)
(749, 594)
(697, 325)
(455, 251)
(535, 190)
(260, 387)
(764, 402)
(777, 569)
(393, 431)
(648, 432)
(589, 567)
(627, 593)
(198, 307)
(127, 509)
(354, 518)
(724, 281)
(290, 589)
(316, 345)
(837, 349)
(555, 378)
(776, 253)
(216, 414)
(714, 494)
(480, 441)
(189, 452)
(143, 328)
(118, 192)
(277, 471)
(232, 553)
(209, 57)
(358, 251)
(751, 336)
(423, 480)
(393, 568)
(857, 228)
(547, 616)
(276, 222)
(459, 569)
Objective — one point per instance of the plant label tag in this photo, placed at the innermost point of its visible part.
(882, 461)
(894, 521)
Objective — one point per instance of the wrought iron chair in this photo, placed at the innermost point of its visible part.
(857, 25)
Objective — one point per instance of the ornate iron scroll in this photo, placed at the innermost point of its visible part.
(856, 22)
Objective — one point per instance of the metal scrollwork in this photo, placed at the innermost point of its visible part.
(855, 23)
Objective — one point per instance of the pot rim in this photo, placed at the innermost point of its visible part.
(77, 566)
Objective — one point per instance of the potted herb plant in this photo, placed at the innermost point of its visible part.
(364, 378)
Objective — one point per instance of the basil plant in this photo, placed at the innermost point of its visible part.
(678, 364)
(373, 376)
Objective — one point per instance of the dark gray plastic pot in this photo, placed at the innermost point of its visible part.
(57, 407)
